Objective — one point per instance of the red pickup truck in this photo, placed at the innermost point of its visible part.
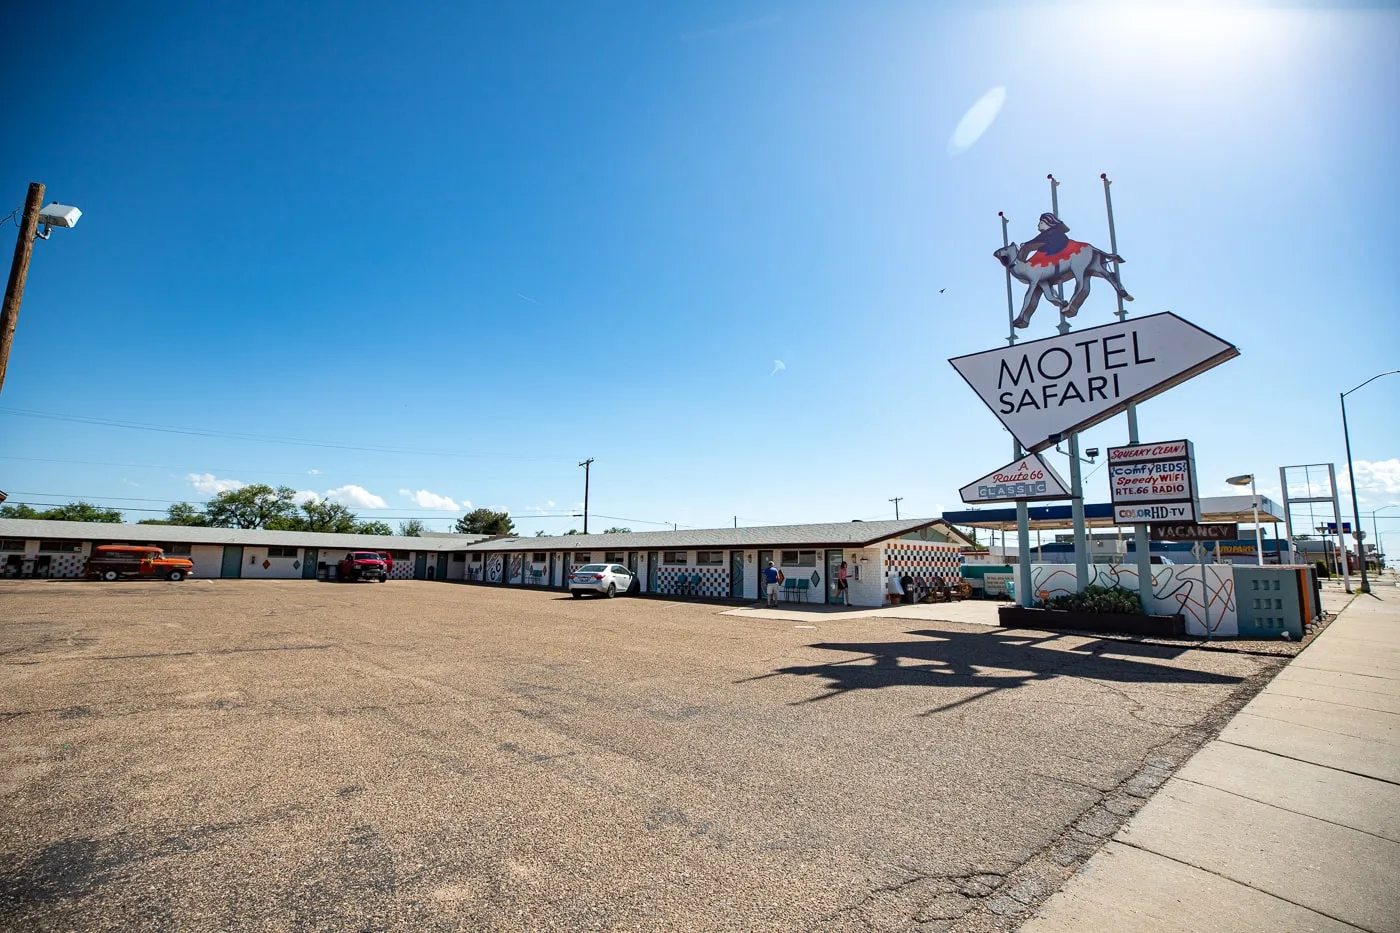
(362, 565)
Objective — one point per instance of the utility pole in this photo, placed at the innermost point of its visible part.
(896, 500)
(19, 270)
(587, 465)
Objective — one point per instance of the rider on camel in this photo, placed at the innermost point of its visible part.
(1049, 240)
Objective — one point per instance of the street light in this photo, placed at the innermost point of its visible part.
(1376, 530)
(55, 215)
(1247, 479)
(1355, 508)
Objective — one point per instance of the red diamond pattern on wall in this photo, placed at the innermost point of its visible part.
(267, 564)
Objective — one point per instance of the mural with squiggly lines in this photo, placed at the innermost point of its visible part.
(1175, 588)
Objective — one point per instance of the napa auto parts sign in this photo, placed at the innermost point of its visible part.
(1044, 390)
(1029, 479)
(1153, 483)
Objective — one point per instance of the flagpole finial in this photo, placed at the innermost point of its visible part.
(1104, 176)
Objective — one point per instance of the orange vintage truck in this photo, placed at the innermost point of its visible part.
(114, 561)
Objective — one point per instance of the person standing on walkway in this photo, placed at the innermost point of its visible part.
(843, 586)
(770, 576)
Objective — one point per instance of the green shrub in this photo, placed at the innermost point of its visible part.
(1322, 570)
(1096, 599)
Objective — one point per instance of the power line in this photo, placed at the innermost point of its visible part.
(264, 438)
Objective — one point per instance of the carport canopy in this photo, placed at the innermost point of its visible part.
(1100, 514)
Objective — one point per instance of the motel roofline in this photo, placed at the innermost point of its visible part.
(42, 529)
(855, 534)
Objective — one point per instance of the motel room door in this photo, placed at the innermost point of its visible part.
(442, 567)
(232, 567)
(420, 565)
(736, 574)
(651, 571)
(833, 570)
(308, 563)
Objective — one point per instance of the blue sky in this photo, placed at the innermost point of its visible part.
(468, 246)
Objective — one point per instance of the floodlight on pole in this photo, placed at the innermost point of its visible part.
(33, 214)
(1247, 479)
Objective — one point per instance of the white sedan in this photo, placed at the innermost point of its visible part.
(608, 579)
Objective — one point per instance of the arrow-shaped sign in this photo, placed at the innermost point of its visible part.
(1048, 389)
(1029, 479)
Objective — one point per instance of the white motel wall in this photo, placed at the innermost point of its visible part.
(59, 550)
(710, 563)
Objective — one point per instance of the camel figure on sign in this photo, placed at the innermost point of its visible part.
(1041, 272)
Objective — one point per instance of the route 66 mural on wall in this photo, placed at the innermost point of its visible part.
(1051, 258)
(494, 566)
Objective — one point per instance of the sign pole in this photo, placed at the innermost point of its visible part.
(1076, 486)
(1341, 535)
(1023, 525)
(1142, 548)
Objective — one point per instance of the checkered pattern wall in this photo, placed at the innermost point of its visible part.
(923, 558)
(61, 566)
(714, 581)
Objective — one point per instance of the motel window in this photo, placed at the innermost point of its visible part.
(612, 557)
(281, 552)
(476, 558)
(584, 558)
(709, 558)
(459, 558)
(175, 550)
(61, 547)
(674, 557)
(799, 558)
(12, 544)
(398, 555)
(539, 557)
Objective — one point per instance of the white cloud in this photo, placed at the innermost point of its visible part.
(1380, 476)
(356, 495)
(313, 472)
(549, 504)
(211, 485)
(304, 496)
(431, 500)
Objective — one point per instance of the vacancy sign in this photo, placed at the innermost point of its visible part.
(1153, 483)
(1029, 479)
(1047, 389)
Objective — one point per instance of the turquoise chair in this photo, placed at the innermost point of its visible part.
(695, 584)
(789, 589)
(802, 589)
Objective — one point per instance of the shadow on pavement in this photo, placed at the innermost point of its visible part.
(961, 659)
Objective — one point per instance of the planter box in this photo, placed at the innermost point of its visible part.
(1119, 623)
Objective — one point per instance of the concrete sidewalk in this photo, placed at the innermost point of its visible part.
(1290, 820)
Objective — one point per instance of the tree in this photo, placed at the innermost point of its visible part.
(324, 515)
(373, 528)
(255, 506)
(181, 513)
(72, 512)
(540, 533)
(485, 522)
(615, 530)
(413, 528)
(573, 531)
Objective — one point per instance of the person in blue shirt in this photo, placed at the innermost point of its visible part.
(770, 576)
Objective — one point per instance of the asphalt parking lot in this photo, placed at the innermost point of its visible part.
(238, 755)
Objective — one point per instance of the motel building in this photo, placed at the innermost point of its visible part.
(59, 550)
(718, 563)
